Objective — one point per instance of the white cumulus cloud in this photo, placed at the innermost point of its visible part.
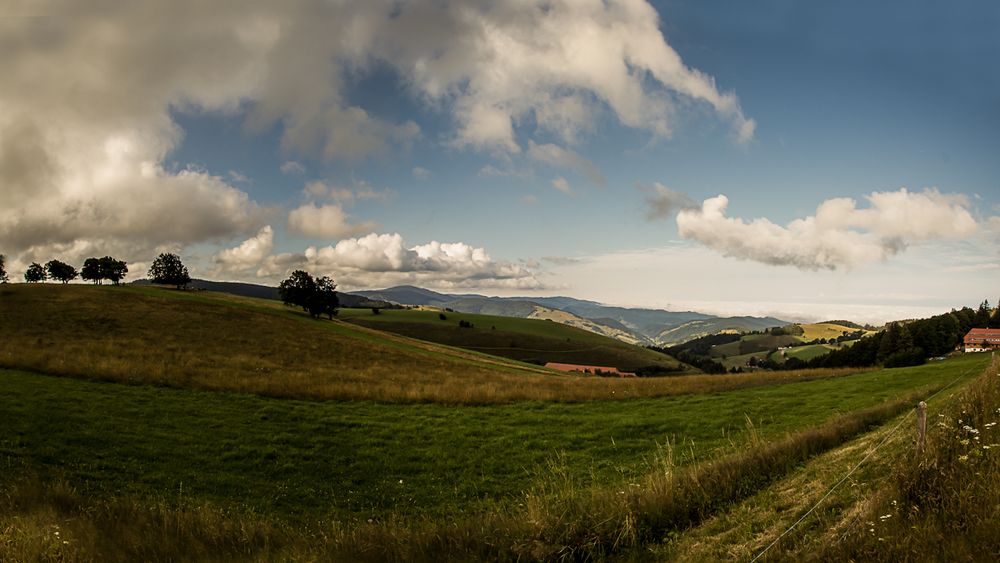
(249, 254)
(324, 221)
(90, 91)
(839, 235)
(378, 260)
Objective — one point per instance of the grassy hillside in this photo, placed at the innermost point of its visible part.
(804, 353)
(694, 329)
(528, 340)
(222, 342)
(753, 344)
(484, 458)
(824, 330)
(229, 471)
(215, 341)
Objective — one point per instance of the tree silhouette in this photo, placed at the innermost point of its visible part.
(91, 270)
(169, 270)
(35, 273)
(61, 271)
(315, 296)
(3, 269)
(115, 270)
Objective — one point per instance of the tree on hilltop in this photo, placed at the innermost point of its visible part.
(169, 270)
(315, 296)
(3, 269)
(91, 270)
(60, 271)
(115, 270)
(97, 270)
(35, 273)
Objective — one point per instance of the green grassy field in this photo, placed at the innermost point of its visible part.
(146, 412)
(752, 344)
(526, 340)
(823, 330)
(804, 353)
(316, 460)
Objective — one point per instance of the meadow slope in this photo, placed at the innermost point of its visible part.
(216, 341)
(136, 424)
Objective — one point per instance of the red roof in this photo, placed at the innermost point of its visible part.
(587, 369)
(980, 334)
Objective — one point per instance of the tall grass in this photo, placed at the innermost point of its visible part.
(943, 504)
(53, 522)
(126, 335)
(560, 518)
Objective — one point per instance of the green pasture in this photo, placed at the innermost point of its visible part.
(529, 340)
(308, 461)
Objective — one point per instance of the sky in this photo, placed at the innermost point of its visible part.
(799, 159)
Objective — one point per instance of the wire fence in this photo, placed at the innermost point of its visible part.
(859, 464)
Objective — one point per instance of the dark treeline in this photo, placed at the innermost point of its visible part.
(700, 361)
(902, 343)
(702, 346)
(910, 343)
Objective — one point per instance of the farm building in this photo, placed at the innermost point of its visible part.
(982, 340)
(592, 370)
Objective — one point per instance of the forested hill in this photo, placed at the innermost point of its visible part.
(907, 343)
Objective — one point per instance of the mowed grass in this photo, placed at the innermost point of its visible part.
(308, 461)
(804, 353)
(529, 340)
(824, 330)
(215, 341)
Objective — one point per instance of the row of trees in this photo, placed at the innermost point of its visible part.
(95, 270)
(166, 269)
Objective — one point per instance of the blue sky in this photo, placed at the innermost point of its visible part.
(518, 149)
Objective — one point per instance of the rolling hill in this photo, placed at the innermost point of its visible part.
(217, 341)
(269, 292)
(532, 340)
(641, 326)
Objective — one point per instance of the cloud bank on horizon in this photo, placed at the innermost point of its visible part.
(385, 259)
(839, 236)
(90, 92)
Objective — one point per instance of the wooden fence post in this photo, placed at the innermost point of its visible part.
(921, 426)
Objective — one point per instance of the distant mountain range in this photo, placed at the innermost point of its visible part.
(635, 326)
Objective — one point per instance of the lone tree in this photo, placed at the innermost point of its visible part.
(169, 270)
(61, 271)
(115, 270)
(315, 296)
(3, 269)
(35, 273)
